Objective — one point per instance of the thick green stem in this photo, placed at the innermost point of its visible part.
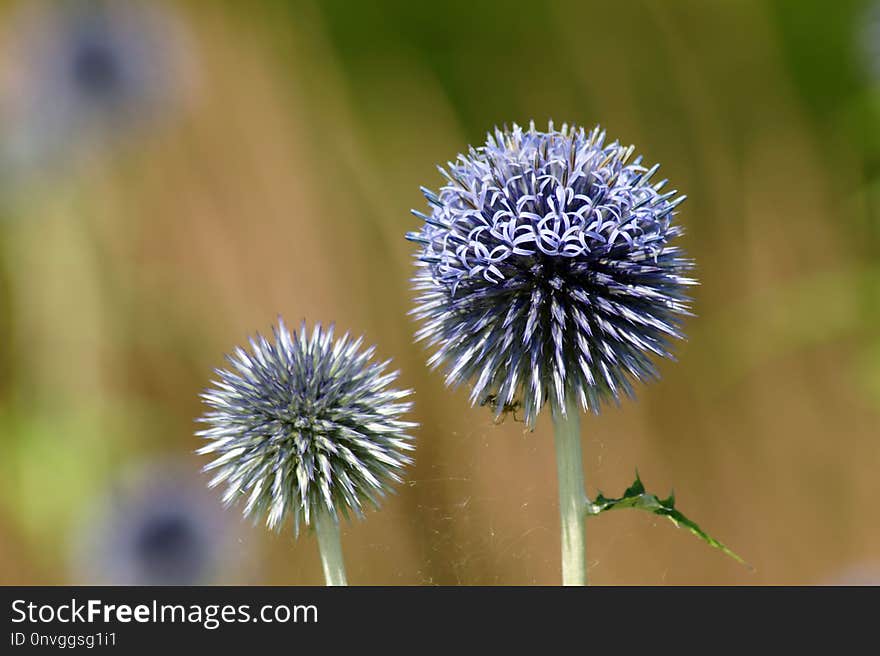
(572, 496)
(330, 546)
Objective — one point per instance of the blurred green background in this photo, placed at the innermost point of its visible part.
(271, 169)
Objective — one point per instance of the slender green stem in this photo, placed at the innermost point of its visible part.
(572, 496)
(330, 546)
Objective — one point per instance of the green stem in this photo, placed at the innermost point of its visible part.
(572, 507)
(330, 546)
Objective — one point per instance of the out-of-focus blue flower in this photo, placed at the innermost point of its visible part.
(546, 269)
(160, 528)
(305, 424)
(84, 72)
(868, 37)
(862, 573)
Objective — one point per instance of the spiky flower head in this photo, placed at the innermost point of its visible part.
(546, 269)
(304, 425)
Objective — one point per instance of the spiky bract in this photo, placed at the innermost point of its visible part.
(304, 425)
(546, 268)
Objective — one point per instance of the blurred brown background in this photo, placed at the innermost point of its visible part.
(262, 160)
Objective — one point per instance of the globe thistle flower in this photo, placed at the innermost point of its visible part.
(305, 425)
(158, 528)
(85, 72)
(547, 270)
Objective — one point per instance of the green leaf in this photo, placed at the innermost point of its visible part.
(636, 497)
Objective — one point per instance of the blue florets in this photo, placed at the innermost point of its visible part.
(546, 270)
(306, 425)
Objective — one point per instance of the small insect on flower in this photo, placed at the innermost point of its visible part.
(501, 409)
(304, 425)
(546, 270)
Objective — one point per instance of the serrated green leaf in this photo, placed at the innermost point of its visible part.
(635, 496)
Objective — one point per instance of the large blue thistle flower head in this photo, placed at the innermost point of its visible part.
(304, 424)
(546, 270)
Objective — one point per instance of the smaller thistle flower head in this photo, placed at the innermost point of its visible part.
(304, 425)
(546, 270)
